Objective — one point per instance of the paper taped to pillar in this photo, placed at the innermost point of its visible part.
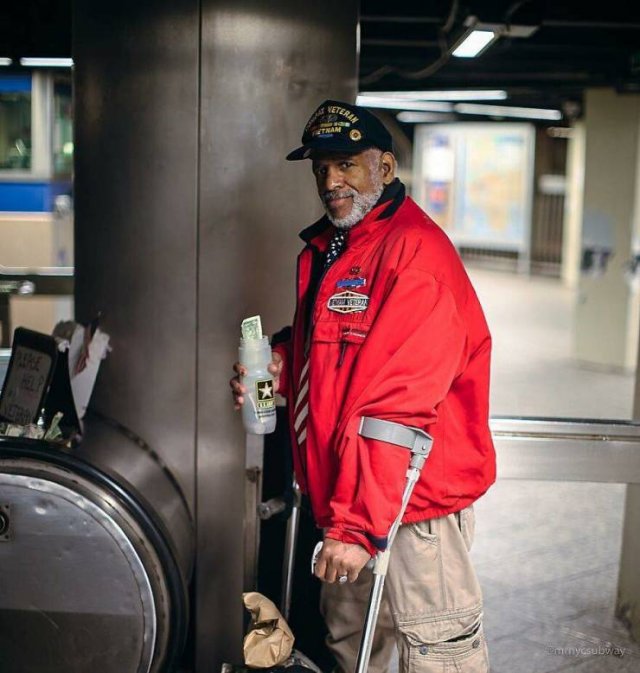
(269, 641)
(597, 242)
(87, 347)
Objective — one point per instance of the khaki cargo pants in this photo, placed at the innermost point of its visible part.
(431, 607)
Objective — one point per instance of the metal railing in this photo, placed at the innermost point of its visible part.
(567, 449)
(22, 281)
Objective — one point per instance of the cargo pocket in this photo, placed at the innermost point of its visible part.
(466, 519)
(423, 530)
(422, 652)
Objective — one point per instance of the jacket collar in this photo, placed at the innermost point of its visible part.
(319, 233)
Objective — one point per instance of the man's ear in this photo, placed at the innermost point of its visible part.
(388, 164)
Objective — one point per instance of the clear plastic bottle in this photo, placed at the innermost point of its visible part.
(259, 408)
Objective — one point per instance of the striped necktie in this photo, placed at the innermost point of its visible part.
(301, 409)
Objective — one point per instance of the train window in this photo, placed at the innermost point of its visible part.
(62, 129)
(15, 123)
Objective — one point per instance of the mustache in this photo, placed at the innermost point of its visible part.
(337, 194)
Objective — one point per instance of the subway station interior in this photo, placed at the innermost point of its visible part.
(146, 209)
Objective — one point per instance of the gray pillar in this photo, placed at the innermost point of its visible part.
(606, 318)
(136, 143)
(606, 322)
(574, 202)
(265, 67)
(628, 599)
(186, 222)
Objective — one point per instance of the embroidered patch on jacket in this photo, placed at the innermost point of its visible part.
(348, 302)
(351, 282)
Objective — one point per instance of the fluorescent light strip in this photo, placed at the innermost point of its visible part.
(438, 95)
(398, 104)
(40, 62)
(5, 61)
(475, 43)
(505, 111)
(423, 117)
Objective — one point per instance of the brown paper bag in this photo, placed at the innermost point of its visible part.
(270, 640)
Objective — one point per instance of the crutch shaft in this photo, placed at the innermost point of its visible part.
(293, 524)
(373, 609)
(379, 576)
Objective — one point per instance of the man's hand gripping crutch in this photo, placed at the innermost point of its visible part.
(419, 443)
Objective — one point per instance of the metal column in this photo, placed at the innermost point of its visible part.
(186, 221)
(264, 68)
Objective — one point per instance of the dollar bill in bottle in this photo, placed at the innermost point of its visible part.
(259, 408)
(252, 328)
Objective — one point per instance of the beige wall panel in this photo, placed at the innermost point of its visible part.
(27, 239)
(601, 326)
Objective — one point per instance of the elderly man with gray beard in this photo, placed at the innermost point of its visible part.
(387, 326)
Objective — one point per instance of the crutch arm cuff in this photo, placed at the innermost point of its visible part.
(416, 440)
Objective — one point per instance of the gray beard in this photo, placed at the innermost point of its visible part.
(362, 204)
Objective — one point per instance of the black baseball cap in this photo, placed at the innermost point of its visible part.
(341, 127)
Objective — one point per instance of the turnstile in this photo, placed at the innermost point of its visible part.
(96, 550)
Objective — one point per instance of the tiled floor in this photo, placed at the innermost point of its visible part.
(546, 552)
(533, 372)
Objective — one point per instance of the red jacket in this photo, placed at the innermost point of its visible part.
(418, 354)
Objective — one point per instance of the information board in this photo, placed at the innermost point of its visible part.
(476, 181)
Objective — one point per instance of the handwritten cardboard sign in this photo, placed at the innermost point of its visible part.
(33, 359)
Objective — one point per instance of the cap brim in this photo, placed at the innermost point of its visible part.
(300, 153)
(326, 145)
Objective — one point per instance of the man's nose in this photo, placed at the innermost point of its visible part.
(333, 179)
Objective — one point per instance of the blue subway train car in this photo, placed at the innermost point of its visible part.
(36, 164)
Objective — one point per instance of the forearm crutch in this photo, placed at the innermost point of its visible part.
(419, 443)
(288, 563)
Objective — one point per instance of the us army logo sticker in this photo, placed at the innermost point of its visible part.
(265, 399)
(348, 302)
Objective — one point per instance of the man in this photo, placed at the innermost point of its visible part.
(388, 326)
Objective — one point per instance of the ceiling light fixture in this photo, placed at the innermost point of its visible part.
(400, 104)
(477, 36)
(474, 43)
(453, 95)
(5, 61)
(506, 111)
(45, 62)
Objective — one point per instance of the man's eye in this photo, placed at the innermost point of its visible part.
(320, 170)
(346, 164)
